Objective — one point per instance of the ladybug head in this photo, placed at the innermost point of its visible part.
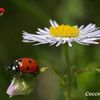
(14, 66)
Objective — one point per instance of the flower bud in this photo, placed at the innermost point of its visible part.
(19, 86)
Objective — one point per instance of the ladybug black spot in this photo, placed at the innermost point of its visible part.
(27, 68)
(30, 61)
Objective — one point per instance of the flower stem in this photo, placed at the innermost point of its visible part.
(69, 74)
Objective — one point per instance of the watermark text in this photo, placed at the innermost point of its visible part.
(88, 93)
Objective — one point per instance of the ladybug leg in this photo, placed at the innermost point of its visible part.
(34, 74)
(20, 75)
(16, 73)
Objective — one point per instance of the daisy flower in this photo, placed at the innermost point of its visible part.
(60, 34)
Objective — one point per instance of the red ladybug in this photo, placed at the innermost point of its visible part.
(2, 11)
(25, 65)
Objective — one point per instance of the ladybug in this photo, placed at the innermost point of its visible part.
(2, 11)
(25, 65)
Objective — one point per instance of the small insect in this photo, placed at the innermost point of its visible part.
(24, 65)
(2, 11)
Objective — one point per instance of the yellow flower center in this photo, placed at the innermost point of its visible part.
(64, 31)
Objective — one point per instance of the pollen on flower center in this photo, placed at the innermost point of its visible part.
(64, 31)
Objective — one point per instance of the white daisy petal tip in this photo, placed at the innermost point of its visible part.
(60, 34)
(53, 23)
(69, 43)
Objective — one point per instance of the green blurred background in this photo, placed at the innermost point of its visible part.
(29, 15)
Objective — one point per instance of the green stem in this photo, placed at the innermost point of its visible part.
(69, 74)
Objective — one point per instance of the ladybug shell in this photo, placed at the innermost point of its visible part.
(28, 65)
(2, 10)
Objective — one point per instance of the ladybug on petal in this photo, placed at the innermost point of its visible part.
(25, 65)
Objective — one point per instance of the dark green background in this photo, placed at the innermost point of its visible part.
(29, 15)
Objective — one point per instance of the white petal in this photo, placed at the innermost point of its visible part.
(53, 42)
(87, 29)
(59, 42)
(81, 27)
(40, 43)
(89, 26)
(94, 34)
(53, 23)
(69, 43)
(38, 32)
(42, 31)
(46, 29)
(80, 42)
(97, 32)
(27, 41)
(89, 41)
(31, 37)
(93, 39)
